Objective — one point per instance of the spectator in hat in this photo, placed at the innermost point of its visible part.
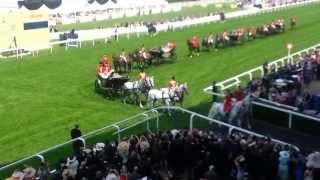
(43, 172)
(211, 174)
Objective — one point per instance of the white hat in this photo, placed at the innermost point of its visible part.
(314, 160)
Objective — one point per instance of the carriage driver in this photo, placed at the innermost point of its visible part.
(123, 56)
(142, 75)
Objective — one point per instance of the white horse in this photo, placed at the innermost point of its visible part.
(167, 96)
(135, 88)
(240, 112)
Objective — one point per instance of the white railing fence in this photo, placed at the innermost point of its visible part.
(147, 118)
(291, 113)
(256, 72)
(96, 34)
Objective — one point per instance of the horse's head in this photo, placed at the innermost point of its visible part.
(149, 82)
(183, 88)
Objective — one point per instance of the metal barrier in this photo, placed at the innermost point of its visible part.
(236, 80)
(144, 117)
(289, 112)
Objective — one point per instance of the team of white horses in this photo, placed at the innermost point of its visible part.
(146, 88)
(239, 114)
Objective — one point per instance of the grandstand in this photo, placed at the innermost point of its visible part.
(61, 119)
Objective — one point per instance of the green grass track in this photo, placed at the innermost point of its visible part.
(42, 97)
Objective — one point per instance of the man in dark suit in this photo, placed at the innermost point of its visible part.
(75, 132)
(77, 145)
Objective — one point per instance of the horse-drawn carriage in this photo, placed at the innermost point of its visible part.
(163, 54)
(112, 86)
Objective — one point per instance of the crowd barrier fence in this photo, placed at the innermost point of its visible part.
(148, 119)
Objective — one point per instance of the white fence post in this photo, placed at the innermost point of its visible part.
(290, 120)
(157, 118)
(146, 116)
(191, 121)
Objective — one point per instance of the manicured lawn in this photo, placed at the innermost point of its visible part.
(43, 97)
(187, 11)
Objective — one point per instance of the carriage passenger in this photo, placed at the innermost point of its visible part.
(225, 35)
(240, 31)
(143, 52)
(123, 56)
(272, 25)
(281, 22)
(168, 47)
(265, 28)
(210, 39)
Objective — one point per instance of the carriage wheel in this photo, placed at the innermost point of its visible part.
(96, 86)
(174, 56)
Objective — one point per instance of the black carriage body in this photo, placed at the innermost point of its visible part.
(111, 86)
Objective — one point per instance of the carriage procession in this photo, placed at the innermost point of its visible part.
(115, 83)
(237, 36)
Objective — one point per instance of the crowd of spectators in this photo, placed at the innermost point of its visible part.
(289, 84)
(184, 154)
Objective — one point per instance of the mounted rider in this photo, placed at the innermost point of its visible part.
(141, 77)
(172, 85)
(194, 42)
(123, 56)
(293, 21)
